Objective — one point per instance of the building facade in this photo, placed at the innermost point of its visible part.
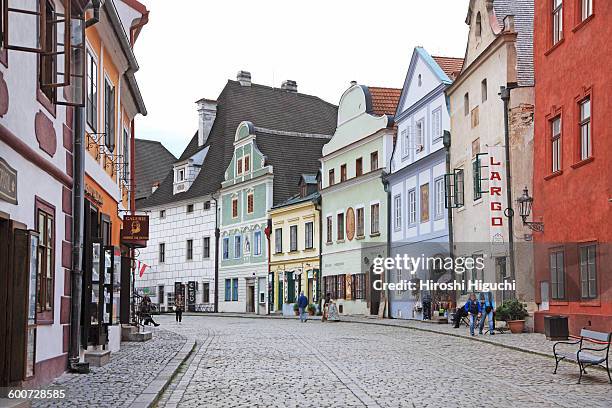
(295, 240)
(572, 178)
(499, 54)
(354, 202)
(419, 217)
(40, 133)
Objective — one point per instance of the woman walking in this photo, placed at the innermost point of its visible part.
(179, 306)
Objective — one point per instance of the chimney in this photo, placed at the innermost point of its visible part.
(155, 186)
(509, 23)
(289, 86)
(244, 77)
(207, 111)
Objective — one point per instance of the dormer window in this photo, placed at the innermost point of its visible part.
(181, 175)
(478, 29)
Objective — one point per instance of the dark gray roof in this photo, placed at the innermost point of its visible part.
(152, 163)
(266, 107)
(298, 199)
(291, 156)
(522, 10)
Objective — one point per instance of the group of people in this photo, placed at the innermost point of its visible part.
(477, 310)
(147, 306)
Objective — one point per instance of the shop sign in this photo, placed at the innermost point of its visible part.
(93, 195)
(8, 182)
(191, 295)
(135, 228)
(497, 178)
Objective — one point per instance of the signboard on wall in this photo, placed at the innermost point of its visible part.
(191, 296)
(8, 182)
(135, 228)
(497, 187)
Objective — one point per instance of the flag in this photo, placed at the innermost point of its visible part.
(142, 267)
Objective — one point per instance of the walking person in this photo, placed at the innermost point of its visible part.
(426, 305)
(473, 308)
(487, 305)
(302, 305)
(179, 306)
(326, 306)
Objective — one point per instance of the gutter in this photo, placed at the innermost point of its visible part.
(449, 210)
(387, 187)
(217, 235)
(318, 209)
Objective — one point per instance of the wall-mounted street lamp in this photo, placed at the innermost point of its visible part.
(525, 203)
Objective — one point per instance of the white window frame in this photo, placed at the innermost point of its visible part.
(436, 124)
(557, 21)
(412, 206)
(556, 144)
(397, 211)
(237, 246)
(586, 140)
(439, 197)
(586, 9)
(257, 242)
(419, 135)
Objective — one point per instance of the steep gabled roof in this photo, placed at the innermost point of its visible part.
(265, 106)
(450, 65)
(152, 163)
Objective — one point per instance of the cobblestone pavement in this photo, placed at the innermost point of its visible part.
(283, 363)
(120, 382)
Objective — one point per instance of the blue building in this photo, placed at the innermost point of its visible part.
(418, 218)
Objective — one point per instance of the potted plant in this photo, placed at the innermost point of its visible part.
(311, 309)
(513, 313)
(296, 309)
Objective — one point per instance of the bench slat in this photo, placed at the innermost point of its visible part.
(595, 335)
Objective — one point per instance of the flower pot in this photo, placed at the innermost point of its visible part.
(297, 312)
(311, 312)
(516, 326)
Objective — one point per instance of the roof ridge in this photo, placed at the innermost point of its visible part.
(273, 88)
(290, 133)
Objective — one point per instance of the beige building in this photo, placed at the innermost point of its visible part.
(499, 54)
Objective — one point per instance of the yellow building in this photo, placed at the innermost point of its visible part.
(295, 247)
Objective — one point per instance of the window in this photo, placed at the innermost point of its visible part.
(189, 249)
(109, 116)
(424, 202)
(374, 218)
(162, 214)
(466, 104)
(206, 205)
(459, 187)
(278, 240)
(293, 238)
(341, 287)
(360, 222)
(412, 207)
(160, 295)
(588, 272)
(557, 275)
(47, 69)
(247, 163)
(585, 129)
(436, 123)
(557, 16)
(162, 252)
(329, 229)
(237, 246)
(476, 176)
(126, 155)
(181, 175)
(205, 292)
(332, 180)
(406, 140)
(189, 208)
(225, 248)
(234, 208)
(478, 30)
(586, 9)
(358, 167)
(92, 92)
(374, 161)
(343, 173)
(308, 235)
(250, 203)
(439, 197)
(420, 136)
(358, 286)
(239, 166)
(235, 289)
(228, 290)
(46, 260)
(556, 144)
(206, 248)
(483, 90)
(340, 227)
(257, 244)
(397, 202)
(170, 299)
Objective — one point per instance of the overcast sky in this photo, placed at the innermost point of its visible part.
(190, 48)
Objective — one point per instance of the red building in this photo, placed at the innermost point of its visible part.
(572, 169)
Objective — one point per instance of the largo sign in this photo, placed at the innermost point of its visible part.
(496, 179)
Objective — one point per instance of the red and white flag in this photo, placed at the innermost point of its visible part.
(141, 268)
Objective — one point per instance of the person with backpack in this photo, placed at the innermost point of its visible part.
(474, 310)
(487, 304)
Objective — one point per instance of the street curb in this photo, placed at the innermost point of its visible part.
(150, 395)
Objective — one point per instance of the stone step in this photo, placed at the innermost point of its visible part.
(138, 336)
(97, 358)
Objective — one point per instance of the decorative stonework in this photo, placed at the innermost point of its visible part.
(45, 133)
(4, 96)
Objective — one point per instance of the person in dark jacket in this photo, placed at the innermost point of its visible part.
(302, 305)
(146, 307)
(487, 305)
(179, 306)
(474, 310)
(426, 305)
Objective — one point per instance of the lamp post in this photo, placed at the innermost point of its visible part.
(525, 203)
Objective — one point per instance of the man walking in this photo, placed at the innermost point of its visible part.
(302, 305)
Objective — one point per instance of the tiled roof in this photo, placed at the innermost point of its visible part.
(152, 163)
(265, 107)
(384, 100)
(450, 65)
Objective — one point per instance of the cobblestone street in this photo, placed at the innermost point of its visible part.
(280, 362)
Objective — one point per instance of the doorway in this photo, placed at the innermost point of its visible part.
(5, 239)
(374, 294)
(250, 305)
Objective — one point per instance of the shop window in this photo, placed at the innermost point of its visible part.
(46, 261)
(358, 285)
(557, 275)
(588, 272)
(585, 129)
(341, 285)
(205, 292)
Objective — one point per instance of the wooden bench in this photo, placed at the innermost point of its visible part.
(582, 355)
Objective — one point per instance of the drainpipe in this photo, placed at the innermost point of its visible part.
(268, 232)
(217, 235)
(78, 182)
(387, 187)
(318, 209)
(505, 96)
(451, 242)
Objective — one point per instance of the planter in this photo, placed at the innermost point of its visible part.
(516, 326)
(297, 312)
(311, 312)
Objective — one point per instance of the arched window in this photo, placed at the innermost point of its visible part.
(478, 25)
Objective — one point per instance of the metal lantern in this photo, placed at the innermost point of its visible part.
(525, 203)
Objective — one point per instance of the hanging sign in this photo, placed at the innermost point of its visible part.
(497, 198)
(8, 182)
(135, 228)
(191, 296)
